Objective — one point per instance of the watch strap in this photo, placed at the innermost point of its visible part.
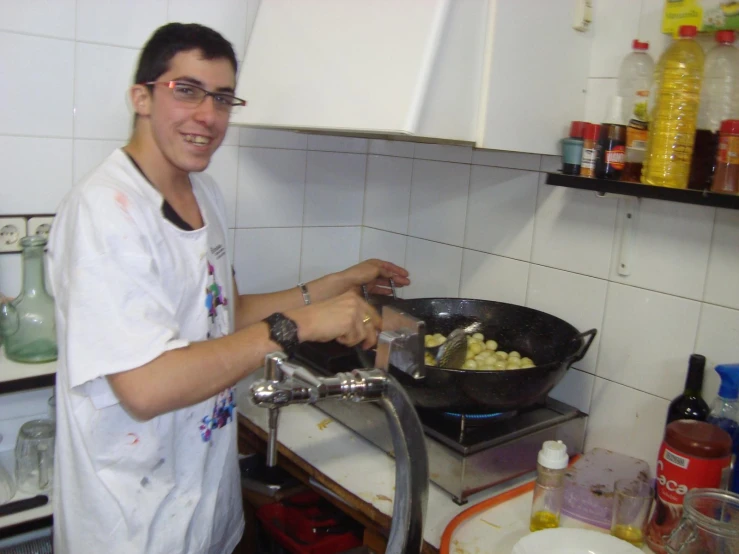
(283, 331)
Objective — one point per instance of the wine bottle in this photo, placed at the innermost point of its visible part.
(690, 404)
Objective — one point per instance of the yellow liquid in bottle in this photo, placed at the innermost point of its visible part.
(544, 520)
(629, 534)
(674, 115)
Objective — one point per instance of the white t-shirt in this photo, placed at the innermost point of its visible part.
(129, 285)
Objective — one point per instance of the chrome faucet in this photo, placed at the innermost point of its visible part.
(400, 344)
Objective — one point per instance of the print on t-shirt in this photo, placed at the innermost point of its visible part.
(214, 299)
(223, 413)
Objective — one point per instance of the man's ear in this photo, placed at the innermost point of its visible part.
(141, 99)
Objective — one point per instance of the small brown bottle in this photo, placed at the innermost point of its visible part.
(611, 154)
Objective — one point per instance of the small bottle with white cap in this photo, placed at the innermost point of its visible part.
(550, 485)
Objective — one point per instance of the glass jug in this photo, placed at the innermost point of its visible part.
(27, 323)
(710, 523)
(34, 456)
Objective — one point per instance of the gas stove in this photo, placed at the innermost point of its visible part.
(468, 453)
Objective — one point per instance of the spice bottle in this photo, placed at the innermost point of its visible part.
(726, 178)
(589, 149)
(693, 455)
(550, 485)
(611, 155)
(572, 149)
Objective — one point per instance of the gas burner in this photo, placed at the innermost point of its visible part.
(480, 418)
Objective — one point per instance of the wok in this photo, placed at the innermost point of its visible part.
(552, 343)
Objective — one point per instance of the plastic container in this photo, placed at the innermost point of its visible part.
(693, 455)
(635, 82)
(572, 148)
(549, 488)
(672, 122)
(719, 102)
(589, 149)
(725, 410)
(589, 484)
(726, 177)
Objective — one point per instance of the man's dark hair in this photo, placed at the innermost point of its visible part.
(173, 38)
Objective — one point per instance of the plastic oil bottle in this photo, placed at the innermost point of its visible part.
(550, 486)
(672, 122)
(725, 411)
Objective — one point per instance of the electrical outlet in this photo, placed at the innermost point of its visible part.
(40, 226)
(12, 230)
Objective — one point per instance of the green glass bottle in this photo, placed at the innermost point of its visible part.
(27, 322)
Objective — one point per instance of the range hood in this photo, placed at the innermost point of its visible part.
(403, 68)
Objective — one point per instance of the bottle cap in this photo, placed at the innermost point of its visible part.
(730, 127)
(592, 130)
(553, 455)
(729, 388)
(577, 128)
(614, 115)
(725, 36)
(639, 45)
(688, 31)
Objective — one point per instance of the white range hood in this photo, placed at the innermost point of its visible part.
(500, 74)
(375, 67)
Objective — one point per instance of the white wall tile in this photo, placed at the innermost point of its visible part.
(626, 420)
(10, 275)
(434, 268)
(383, 246)
(129, 23)
(600, 92)
(615, 25)
(669, 251)
(388, 193)
(272, 138)
(489, 277)
(550, 164)
(579, 300)
(439, 201)
(232, 136)
(328, 249)
(328, 143)
(36, 67)
(228, 17)
(723, 264)
(267, 260)
(502, 158)
(500, 211)
(251, 15)
(223, 168)
(51, 18)
(334, 189)
(574, 230)
(88, 154)
(575, 389)
(443, 152)
(650, 27)
(717, 341)
(30, 186)
(271, 187)
(647, 339)
(103, 77)
(399, 148)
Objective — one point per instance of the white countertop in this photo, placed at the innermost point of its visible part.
(369, 473)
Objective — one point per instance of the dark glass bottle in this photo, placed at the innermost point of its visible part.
(690, 404)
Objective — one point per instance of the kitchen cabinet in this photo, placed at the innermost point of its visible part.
(498, 74)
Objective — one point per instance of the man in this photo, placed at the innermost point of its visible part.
(152, 331)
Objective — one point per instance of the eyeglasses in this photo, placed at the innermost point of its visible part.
(193, 94)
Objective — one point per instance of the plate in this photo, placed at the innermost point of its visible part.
(572, 541)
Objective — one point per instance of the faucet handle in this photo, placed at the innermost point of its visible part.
(401, 343)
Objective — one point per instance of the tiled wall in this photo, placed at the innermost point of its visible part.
(466, 223)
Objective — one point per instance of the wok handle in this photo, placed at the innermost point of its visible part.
(366, 294)
(587, 339)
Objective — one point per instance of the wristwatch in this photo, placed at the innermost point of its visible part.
(283, 331)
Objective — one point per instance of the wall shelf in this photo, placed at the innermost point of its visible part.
(699, 198)
(16, 377)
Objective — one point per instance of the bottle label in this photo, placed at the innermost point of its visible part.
(728, 150)
(616, 157)
(677, 473)
(588, 157)
(636, 136)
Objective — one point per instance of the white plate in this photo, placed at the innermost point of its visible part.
(572, 541)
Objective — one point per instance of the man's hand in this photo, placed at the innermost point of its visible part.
(346, 318)
(375, 275)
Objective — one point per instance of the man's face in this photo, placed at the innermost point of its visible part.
(187, 134)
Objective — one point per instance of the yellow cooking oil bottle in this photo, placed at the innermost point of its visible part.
(672, 123)
(549, 489)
